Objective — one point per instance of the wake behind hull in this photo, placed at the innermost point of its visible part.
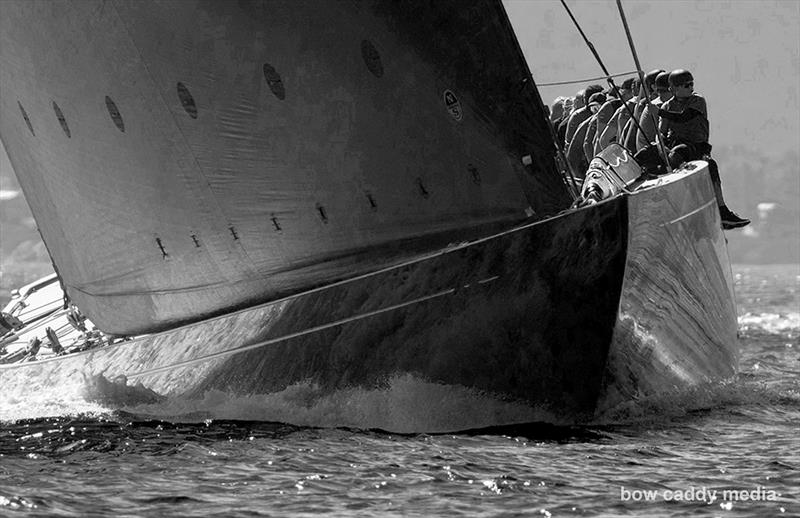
(556, 315)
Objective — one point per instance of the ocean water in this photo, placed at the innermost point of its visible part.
(732, 449)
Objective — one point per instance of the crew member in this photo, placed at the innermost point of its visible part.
(631, 132)
(648, 124)
(610, 133)
(684, 125)
(580, 115)
(595, 104)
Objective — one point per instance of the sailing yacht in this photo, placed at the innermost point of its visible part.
(242, 196)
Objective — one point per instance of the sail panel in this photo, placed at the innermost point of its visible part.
(254, 149)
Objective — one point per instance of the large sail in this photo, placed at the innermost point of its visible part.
(186, 158)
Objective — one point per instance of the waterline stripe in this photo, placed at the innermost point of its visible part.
(256, 345)
(695, 211)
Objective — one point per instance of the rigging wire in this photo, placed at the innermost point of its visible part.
(577, 81)
(562, 162)
(609, 77)
(659, 137)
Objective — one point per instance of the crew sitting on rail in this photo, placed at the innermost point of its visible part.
(596, 106)
(557, 110)
(604, 116)
(648, 124)
(574, 104)
(560, 125)
(575, 154)
(577, 104)
(631, 131)
(685, 128)
(614, 126)
(581, 114)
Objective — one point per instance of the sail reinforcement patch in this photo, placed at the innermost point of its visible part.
(187, 101)
(115, 115)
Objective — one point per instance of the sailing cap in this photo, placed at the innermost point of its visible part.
(650, 77)
(662, 82)
(679, 77)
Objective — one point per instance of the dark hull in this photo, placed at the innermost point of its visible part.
(573, 315)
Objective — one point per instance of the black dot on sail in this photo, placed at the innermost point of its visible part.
(115, 115)
(274, 81)
(26, 118)
(187, 101)
(372, 58)
(62, 120)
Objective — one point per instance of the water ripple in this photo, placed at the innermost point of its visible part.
(726, 440)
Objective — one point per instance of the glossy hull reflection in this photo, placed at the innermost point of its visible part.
(572, 315)
(526, 315)
(676, 325)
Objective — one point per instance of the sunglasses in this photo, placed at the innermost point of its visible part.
(690, 84)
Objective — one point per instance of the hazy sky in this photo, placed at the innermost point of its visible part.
(744, 54)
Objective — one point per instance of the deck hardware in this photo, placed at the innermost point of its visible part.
(26, 118)
(113, 111)
(62, 120)
(422, 190)
(55, 343)
(33, 346)
(187, 101)
(164, 253)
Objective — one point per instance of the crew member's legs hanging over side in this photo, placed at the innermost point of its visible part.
(685, 152)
